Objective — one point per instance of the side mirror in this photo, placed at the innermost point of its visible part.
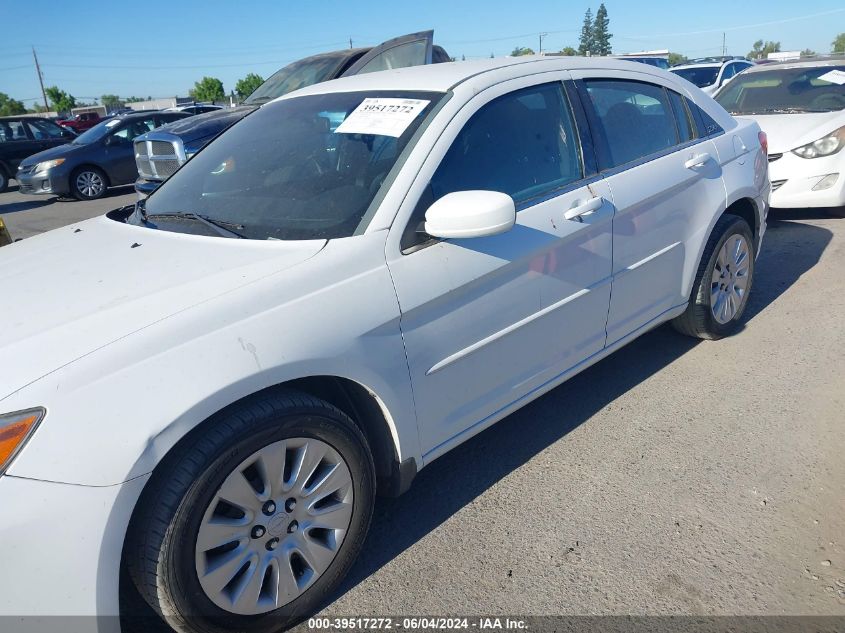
(465, 214)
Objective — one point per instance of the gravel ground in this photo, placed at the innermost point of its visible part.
(674, 477)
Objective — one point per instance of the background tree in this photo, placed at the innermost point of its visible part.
(568, 51)
(677, 58)
(519, 51)
(585, 41)
(9, 106)
(246, 86)
(808, 52)
(208, 89)
(601, 35)
(60, 100)
(112, 102)
(761, 49)
(838, 44)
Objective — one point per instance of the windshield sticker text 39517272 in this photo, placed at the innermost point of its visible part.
(382, 116)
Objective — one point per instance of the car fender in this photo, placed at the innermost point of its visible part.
(121, 408)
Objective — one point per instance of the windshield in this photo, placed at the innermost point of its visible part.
(95, 133)
(305, 72)
(299, 169)
(701, 76)
(785, 90)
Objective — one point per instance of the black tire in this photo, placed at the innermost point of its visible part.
(160, 550)
(698, 320)
(4, 180)
(96, 175)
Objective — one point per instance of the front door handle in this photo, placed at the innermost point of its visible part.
(697, 161)
(585, 208)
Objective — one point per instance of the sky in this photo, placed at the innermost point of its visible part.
(155, 48)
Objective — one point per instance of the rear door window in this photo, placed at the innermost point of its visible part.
(635, 119)
(523, 144)
(12, 131)
(686, 128)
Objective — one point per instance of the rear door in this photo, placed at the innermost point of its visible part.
(414, 49)
(17, 143)
(489, 321)
(666, 185)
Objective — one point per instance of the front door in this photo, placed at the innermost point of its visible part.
(120, 152)
(489, 321)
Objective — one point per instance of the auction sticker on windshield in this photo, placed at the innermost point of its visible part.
(382, 116)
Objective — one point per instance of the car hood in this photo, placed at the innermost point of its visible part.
(788, 131)
(74, 290)
(202, 125)
(48, 154)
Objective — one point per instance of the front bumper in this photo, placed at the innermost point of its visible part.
(60, 551)
(796, 181)
(51, 182)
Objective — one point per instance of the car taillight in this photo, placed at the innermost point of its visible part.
(764, 142)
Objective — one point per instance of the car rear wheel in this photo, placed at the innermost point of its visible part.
(256, 520)
(88, 183)
(723, 282)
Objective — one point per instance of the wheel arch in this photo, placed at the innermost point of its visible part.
(742, 206)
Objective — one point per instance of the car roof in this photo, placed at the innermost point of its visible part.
(807, 62)
(700, 65)
(482, 73)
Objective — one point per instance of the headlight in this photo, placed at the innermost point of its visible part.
(49, 164)
(15, 430)
(825, 146)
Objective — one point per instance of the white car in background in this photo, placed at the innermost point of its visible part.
(202, 394)
(801, 107)
(711, 73)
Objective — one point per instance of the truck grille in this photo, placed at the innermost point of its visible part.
(158, 160)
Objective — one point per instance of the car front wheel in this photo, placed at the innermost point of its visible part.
(88, 183)
(722, 283)
(256, 520)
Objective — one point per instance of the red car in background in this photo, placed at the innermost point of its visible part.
(82, 121)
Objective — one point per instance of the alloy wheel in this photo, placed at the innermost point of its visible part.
(274, 526)
(729, 282)
(90, 184)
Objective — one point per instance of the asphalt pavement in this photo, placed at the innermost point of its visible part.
(674, 477)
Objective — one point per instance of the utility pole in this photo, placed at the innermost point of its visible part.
(542, 35)
(350, 42)
(724, 48)
(40, 79)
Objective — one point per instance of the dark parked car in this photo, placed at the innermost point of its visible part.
(23, 136)
(162, 152)
(100, 158)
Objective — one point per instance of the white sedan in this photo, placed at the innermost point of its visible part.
(801, 107)
(201, 395)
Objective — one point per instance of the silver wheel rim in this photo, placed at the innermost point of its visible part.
(90, 184)
(274, 526)
(729, 283)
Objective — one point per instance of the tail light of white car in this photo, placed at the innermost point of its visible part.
(764, 141)
(825, 146)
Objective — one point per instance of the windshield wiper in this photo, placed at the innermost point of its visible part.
(217, 225)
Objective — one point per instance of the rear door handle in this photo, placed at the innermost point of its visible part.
(697, 161)
(586, 208)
